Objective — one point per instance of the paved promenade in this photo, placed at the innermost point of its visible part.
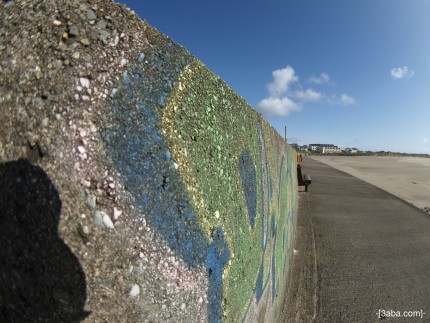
(406, 177)
(361, 251)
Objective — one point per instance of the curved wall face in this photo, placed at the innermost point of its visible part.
(178, 199)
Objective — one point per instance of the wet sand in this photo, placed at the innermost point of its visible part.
(405, 177)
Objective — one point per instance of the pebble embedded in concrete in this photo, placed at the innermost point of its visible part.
(104, 34)
(116, 213)
(86, 230)
(98, 219)
(85, 183)
(85, 41)
(91, 15)
(45, 122)
(135, 290)
(102, 220)
(84, 82)
(101, 24)
(74, 31)
(107, 221)
(91, 201)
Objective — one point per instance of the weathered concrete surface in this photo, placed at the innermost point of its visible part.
(372, 250)
(170, 198)
(405, 177)
(301, 300)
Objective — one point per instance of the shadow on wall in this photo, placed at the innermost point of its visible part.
(40, 278)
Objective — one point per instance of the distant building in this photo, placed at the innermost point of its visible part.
(313, 147)
(328, 149)
(351, 150)
(325, 148)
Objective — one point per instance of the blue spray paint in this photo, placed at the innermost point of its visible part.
(218, 256)
(249, 184)
(140, 153)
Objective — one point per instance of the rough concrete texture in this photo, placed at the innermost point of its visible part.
(301, 299)
(159, 192)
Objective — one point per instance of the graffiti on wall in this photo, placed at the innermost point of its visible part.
(213, 179)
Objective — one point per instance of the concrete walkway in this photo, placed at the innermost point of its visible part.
(370, 257)
(405, 177)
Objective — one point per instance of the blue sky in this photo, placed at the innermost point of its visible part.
(349, 73)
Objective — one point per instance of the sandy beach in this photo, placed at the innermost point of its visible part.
(405, 177)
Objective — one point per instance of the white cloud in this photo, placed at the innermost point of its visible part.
(425, 140)
(278, 106)
(282, 79)
(286, 95)
(398, 73)
(345, 100)
(278, 103)
(322, 79)
(307, 95)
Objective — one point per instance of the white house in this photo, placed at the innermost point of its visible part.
(325, 148)
(313, 147)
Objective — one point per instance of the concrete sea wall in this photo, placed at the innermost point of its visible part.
(167, 196)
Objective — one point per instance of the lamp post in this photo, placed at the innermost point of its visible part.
(286, 134)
